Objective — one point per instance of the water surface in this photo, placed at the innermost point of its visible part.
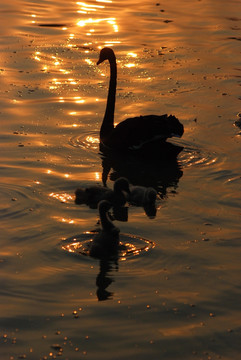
(181, 298)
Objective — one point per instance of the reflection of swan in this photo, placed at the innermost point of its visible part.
(153, 172)
(94, 194)
(103, 281)
(135, 133)
(105, 243)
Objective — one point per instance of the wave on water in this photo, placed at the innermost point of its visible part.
(15, 201)
(87, 141)
(130, 245)
(193, 155)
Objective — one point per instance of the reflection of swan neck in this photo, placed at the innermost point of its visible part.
(108, 121)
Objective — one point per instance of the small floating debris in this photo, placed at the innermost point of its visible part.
(238, 121)
(52, 25)
(75, 313)
(234, 38)
(57, 347)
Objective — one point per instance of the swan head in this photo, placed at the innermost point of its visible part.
(176, 129)
(106, 54)
(122, 184)
(104, 206)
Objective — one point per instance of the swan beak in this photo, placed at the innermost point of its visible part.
(99, 61)
(175, 135)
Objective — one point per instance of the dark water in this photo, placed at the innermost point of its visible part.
(179, 299)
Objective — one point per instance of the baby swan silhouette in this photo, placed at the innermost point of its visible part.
(136, 133)
(105, 243)
(92, 195)
(144, 196)
(141, 196)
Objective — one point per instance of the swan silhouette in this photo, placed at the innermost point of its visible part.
(136, 133)
(135, 194)
(105, 243)
(92, 195)
(141, 196)
(146, 197)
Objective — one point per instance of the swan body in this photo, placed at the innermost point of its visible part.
(141, 196)
(94, 194)
(136, 133)
(105, 243)
(137, 195)
(145, 197)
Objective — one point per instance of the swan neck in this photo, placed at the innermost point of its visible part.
(108, 121)
(105, 221)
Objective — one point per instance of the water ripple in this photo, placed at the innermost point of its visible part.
(195, 156)
(87, 141)
(130, 245)
(191, 155)
(15, 201)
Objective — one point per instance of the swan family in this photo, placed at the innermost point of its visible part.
(140, 135)
(105, 243)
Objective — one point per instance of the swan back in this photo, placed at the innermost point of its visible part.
(92, 195)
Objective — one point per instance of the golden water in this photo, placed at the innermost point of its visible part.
(180, 299)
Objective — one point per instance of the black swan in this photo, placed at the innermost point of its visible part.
(141, 196)
(136, 195)
(92, 195)
(105, 243)
(133, 134)
(146, 197)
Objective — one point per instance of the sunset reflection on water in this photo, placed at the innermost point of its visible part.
(175, 293)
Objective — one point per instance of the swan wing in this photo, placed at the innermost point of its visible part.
(134, 132)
